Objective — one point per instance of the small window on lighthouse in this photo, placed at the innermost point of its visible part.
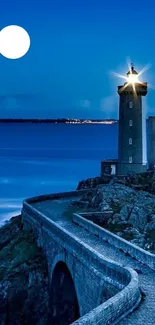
(130, 123)
(130, 160)
(130, 104)
(130, 140)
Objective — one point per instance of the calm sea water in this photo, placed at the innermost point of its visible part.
(45, 158)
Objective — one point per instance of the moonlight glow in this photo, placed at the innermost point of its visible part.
(14, 42)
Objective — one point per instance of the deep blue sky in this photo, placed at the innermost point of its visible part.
(74, 46)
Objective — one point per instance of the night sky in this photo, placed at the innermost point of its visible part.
(75, 44)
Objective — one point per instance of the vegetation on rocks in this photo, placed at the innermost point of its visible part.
(125, 211)
(24, 295)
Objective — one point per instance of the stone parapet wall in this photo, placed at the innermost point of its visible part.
(47, 230)
(114, 309)
(39, 222)
(140, 254)
(59, 195)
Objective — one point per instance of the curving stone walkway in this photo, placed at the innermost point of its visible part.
(145, 313)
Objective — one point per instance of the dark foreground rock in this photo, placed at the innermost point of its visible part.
(24, 295)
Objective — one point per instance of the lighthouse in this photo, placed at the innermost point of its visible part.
(132, 151)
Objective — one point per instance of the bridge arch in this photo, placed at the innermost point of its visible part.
(64, 307)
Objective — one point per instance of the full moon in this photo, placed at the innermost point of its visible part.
(14, 42)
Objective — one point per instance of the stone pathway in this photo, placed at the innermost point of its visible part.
(145, 313)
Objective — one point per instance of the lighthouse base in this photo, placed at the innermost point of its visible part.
(125, 169)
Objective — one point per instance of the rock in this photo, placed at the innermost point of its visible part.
(125, 211)
(137, 242)
(116, 201)
(153, 176)
(147, 246)
(152, 217)
(101, 218)
(87, 196)
(114, 180)
(139, 271)
(24, 297)
(119, 233)
(138, 217)
(116, 218)
(104, 207)
(123, 222)
(150, 226)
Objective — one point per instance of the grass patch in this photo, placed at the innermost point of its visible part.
(70, 210)
(18, 247)
(115, 227)
(115, 207)
(151, 234)
(20, 250)
(128, 236)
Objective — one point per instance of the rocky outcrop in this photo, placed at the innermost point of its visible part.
(24, 295)
(143, 181)
(125, 211)
(93, 182)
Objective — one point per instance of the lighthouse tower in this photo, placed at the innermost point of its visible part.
(132, 151)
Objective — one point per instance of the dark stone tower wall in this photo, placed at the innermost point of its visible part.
(130, 109)
(151, 141)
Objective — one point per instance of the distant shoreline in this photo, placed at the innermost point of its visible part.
(62, 120)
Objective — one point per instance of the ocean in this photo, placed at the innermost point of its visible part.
(38, 159)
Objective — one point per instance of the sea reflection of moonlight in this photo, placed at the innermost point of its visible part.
(14, 42)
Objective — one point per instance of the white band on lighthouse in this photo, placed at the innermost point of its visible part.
(144, 143)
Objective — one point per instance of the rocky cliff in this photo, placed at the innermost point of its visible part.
(24, 295)
(127, 212)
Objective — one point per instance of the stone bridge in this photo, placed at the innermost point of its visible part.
(95, 277)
